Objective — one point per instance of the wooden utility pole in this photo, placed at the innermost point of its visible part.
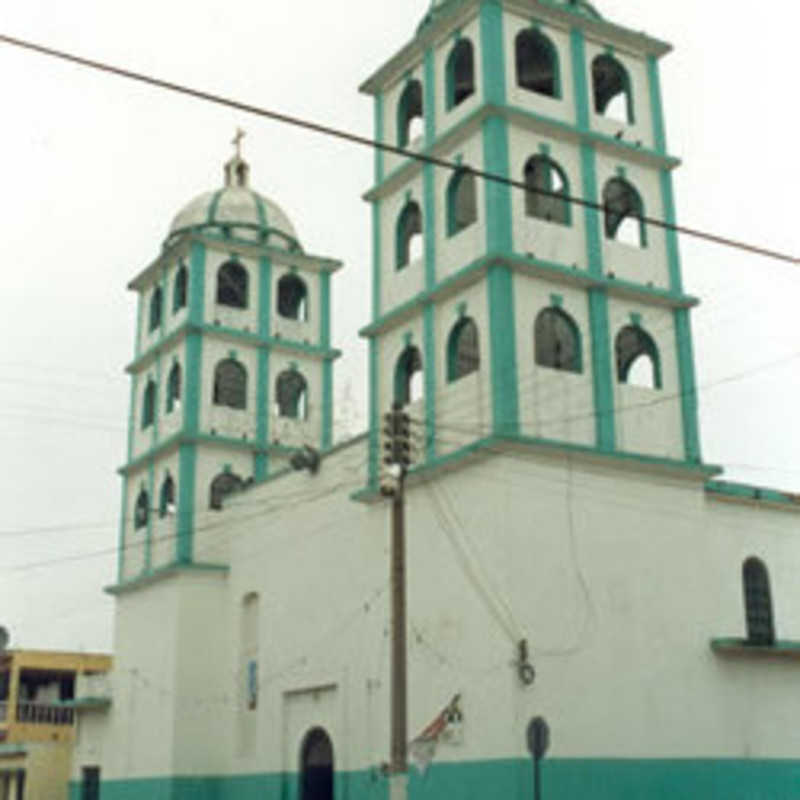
(398, 448)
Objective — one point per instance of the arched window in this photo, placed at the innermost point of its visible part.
(149, 404)
(409, 235)
(462, 204)
(232, 285)
(463, 350)
(316, 766)
(179, 289)
(757, 603)
(292, 298)
(174, 388)
(611, 85)
(459, 73)
(408, 377)
(546, 191)
(624, 213)
(291, 395)
(155, 309)
(557, 341)
(638, 362)
(537, 63)
(230, 384)
(224, 484)
(409, 114)
(166, 499)
(141, 513)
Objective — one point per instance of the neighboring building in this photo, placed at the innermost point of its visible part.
(39, 694)
(570, 554)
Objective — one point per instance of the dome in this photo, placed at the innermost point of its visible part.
(238, 211)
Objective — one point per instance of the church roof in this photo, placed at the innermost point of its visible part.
(238, 209)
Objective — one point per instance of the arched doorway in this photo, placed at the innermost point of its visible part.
(316, 766)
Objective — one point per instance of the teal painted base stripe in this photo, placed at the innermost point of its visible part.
(510, 779)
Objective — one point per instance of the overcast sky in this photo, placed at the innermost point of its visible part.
(95, 167)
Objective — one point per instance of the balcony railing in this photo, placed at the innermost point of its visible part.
(44, 714)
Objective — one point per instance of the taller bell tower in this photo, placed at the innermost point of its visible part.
(233, 370)
(505, 314)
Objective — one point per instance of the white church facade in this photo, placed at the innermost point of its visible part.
(570, 553)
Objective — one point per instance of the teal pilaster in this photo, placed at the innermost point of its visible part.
(429, 102)
(327, 404)
(602, 368)
(500, 284)
(656, 107)
(688, 386)
(671, 236)
(262, 388)
(379, 137)
(429, 334)
(374, 415)
(376, 259)
(197, 282)
(187, 471)
(151, 493)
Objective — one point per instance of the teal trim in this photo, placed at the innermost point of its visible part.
(492, 52)
(732, 490)
(431, 371)
(510, 778)
(374, 416)
(376, 259)
(557, 273)
(688, 385)
(741, 647)
(260, 209)
(187, 471)
(429, 104)
(602, 371)
(379, 137)
(498, 195)
(327, 404)
(137, 347)
(151, 512)
(594, 245)
(212, 207)
(429, 226)
(502, 350)
(261, 466)
(580, 79)
(162, 573)
(197, 282)
(192, 383)
(656, 106)
(670, 234)
(325, 311)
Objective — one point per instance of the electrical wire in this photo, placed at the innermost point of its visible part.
(338, 133)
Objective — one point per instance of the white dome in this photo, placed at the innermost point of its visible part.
(238, 211)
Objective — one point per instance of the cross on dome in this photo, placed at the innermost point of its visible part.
(237, 170)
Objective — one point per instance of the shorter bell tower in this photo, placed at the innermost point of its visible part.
(233, 371)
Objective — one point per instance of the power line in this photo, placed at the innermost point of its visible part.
(338, 133)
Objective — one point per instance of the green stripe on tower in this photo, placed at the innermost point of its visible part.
(602, 368)
(327, 364)
(500, 285)
(262, 387)
(656, 108)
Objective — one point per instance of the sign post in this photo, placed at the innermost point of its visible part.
(538, 736)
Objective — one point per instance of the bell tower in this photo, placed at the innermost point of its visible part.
(505, 314)
(233, 371)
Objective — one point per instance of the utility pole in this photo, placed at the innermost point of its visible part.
(397, 449)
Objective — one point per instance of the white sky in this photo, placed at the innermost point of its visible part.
(95, 167)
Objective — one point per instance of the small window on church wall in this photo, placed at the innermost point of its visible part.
(166, 500)
(141, 512)
(463, 353)
(624, 213)
(612, 89)
(537, 64)
(638, 362)
(224, 484)
(757, 603)
(291, 395)
(292, 298)
(556, 340)
(250, 637)
(408, 377)
(462, 205)
(410, 125)
(460, 74)
(179, 289)
(174, 388)
(409, 235)
(149, 404)
(232, 283)
(155, 309)
(230, 384)
(546, 191)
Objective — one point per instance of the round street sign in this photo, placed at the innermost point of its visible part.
(538, 737)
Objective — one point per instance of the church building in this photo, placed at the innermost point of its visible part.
(570, 554)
